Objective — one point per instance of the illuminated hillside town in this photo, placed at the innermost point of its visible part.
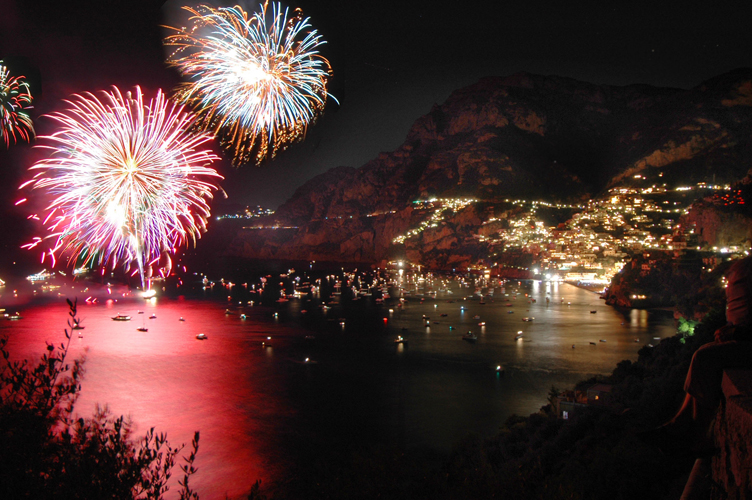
(248, 213)
(586, 244)
(599, 238)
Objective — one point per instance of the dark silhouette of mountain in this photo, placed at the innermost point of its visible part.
(523, 136)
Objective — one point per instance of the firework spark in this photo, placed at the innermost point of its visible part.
(128, 182)
(15, 99)
(256, 82)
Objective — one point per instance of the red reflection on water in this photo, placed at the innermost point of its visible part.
(226, 386)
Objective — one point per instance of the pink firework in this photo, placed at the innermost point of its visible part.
(127, 180)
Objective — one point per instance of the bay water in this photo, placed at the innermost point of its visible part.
(273, 386)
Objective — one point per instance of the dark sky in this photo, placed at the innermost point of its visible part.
(392, 60)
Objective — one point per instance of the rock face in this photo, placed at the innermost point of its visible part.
(523, 136)
(723, 220)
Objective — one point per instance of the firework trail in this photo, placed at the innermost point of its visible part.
(257, 82)
(15, 99)
(127, 181)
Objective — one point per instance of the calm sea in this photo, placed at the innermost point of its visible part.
(273, 386)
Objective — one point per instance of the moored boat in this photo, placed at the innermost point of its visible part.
(470, 337)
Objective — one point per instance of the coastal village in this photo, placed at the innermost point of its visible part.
(586, 243)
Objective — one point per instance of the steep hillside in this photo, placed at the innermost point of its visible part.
(523, 136)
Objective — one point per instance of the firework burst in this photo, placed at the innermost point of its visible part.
(127, 181)
(15, 99)
(257, 82)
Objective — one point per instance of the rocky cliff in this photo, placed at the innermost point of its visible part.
(523, 136)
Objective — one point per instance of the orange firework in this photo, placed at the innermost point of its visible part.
(256, 82)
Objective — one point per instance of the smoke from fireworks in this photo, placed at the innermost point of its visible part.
(127, 181)
(255, 82)
(15, 99)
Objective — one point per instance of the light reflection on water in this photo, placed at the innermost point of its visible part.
(259, 409)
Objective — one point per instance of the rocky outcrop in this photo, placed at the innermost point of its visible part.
(723, 220)
(523, 136)
(733, 435)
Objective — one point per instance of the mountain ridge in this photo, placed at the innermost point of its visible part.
(500, 137)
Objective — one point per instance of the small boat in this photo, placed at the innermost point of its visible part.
(181, 319)
(602, 340)
(592, 343)
(77, 326)
(142, 329)
(444, 315)
(201, 336)
(470, 337)
(121, 317)
(528, 318)
(593, 312)
(153, 316)
(400, 340)
(518, 336)
(482, 323)
(476, 316)
(140, 312)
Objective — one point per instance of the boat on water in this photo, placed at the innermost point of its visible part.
(593, 312)
(470, 337)
(201, 336)
(78, 327)
(400, 340)
(181, 318)
(526, 318)
(142, 329)
(518, 336)
(153, 316)
(121, 317)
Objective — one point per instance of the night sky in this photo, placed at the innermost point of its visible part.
(392, 60)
